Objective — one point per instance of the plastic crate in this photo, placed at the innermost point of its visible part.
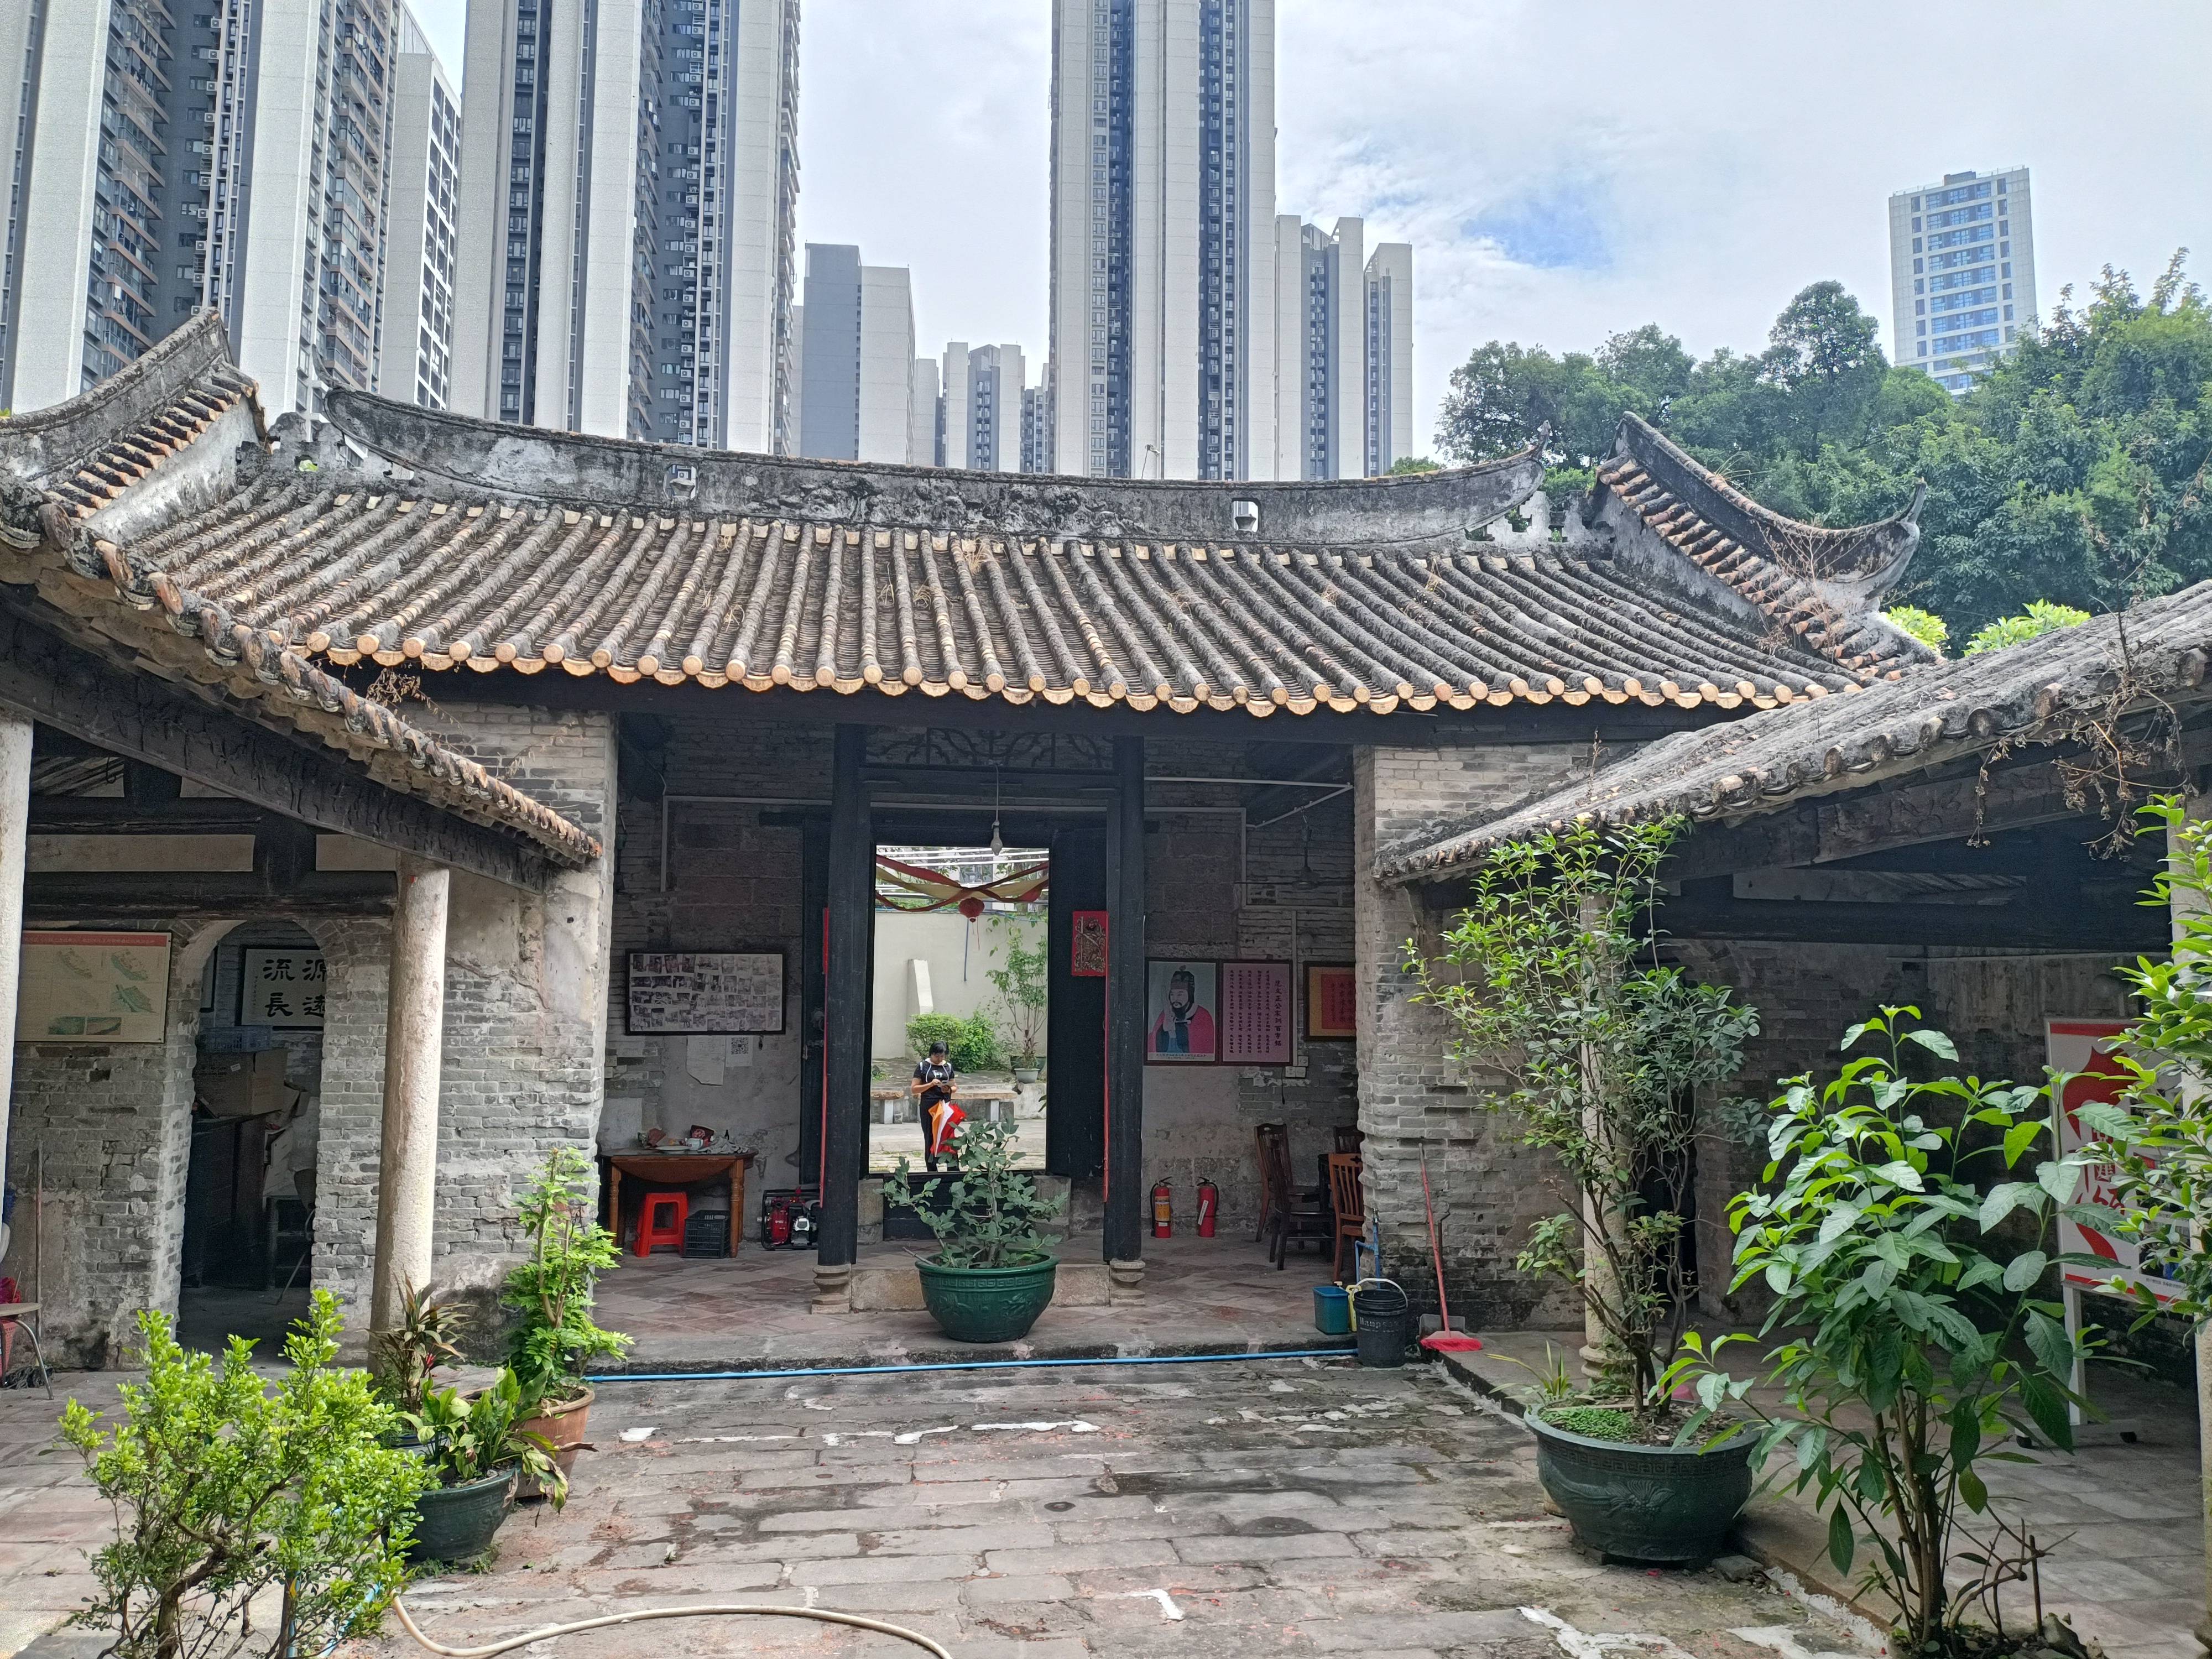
(706, 1233)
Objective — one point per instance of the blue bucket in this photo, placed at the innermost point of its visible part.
(1332, 1310)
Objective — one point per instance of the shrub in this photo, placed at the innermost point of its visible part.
(986, 1214)
(552, 1288)
(2041, 617)
(1919, 1352)
(474, 1438)
(1925, 626)
(223, 1488)
(972, 1044)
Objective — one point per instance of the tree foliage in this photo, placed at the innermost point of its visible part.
(1568, 1024)
(2076, 471)
(552, 1288)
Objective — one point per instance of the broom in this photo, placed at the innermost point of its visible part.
(1444, 1339)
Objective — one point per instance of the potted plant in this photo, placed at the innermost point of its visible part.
(551, 1290)
(993, 1272)
(1915, 1352)
(228, 1487)
(402, 1362)
(1569, 1028)
(481, 1446)
(1020, 980)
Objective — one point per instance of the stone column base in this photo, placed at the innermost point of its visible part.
(1128, 1282)
(832, 1288)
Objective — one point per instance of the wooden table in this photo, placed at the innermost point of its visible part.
(676, 1169)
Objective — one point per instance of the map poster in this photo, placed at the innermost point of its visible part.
(1332, 1002)
(94, 987)
(2083, 1048)
(1256, 1013)
(706, 993)
(282, 988)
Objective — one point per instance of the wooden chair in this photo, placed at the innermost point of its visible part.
(1298, 1213)
(1272, 1196)
(1350, 1137)
(1346, 1204)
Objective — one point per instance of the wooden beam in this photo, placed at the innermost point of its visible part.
(850, 880)
(141, 718)
(106, 815)
(2030, 923)
(1124, 1225)
(182, 895)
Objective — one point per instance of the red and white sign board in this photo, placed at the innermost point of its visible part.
(2085, 1048)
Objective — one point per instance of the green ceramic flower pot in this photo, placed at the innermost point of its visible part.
(1656, 1505)
(988, 1305)
(457, 1524)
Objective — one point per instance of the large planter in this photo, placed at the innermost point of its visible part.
(457, 1524)
(988, 1305)
(1655, 1505)
(563, 1425)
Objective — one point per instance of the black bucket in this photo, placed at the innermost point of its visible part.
(1385, 1321)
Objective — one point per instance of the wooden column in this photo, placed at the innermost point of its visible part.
(14, 838)
(1125, 1023)
(849, 1018)
(414, 1053)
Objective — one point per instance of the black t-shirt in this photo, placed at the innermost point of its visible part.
(935, 1077)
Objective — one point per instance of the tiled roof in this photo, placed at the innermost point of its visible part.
(53, 476)
(2061, 688)
(1819, 585)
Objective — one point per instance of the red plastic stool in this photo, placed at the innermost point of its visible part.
(661, 1221)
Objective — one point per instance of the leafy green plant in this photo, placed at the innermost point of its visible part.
(1020, 982)
(1925, 626)
(222, 1486)
(551, 1288)
(1594, 1422)
(1922, 1351)
(476, 1437)
(403, 1360)
(972, 1044)
(1567, 1025)
(1554, 1385)
(2042, 616)
(986, 1214)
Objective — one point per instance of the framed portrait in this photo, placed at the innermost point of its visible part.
(1087, 954)
(1332, 1002)
(1254, 1022)
(1183, 1009)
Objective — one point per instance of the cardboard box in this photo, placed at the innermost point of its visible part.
(242, 1085)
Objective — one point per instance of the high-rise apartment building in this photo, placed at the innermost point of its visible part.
(415, 361)
(1961, 273)
(982, 400)
(629, 191)
(1389, 355)
(1163, 237)
(925, 441)
(857, 353)
(1036, 423)
(231, 154)
(1344, 350)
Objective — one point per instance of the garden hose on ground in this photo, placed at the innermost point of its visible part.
(822, 1615)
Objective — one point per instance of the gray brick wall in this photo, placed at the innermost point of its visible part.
(1414, 1101)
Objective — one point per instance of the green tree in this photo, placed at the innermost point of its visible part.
(1406, 464)
(2041, 617)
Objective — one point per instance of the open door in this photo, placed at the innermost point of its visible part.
(1075, 1012)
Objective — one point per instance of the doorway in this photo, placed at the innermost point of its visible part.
(961, 948)
(256, 1122)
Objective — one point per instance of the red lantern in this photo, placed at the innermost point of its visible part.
(971, 906)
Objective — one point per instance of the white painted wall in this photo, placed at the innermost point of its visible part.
(960, 954)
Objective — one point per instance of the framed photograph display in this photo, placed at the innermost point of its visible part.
(1332, 1002)
(94, 987)
(1181, 1012)
(1254, 1021)
(705, 993)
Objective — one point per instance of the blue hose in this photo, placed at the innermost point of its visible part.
(962, 1365)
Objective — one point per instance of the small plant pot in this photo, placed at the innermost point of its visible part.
(563, 1425)
(988, 1305)
(403, 1440)
(1027, 1074)
(1652, 1505)
(457, 1524)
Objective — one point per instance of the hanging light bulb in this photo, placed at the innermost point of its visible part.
(998, 841)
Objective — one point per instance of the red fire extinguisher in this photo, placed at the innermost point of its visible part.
(1162, 1211)
(1209, 1201)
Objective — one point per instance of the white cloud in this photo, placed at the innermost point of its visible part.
(1562, 170)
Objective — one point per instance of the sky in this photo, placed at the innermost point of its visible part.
(1563, 170)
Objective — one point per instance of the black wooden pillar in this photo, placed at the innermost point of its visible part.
(1125, 1019)
(813, 941)
(848, 1015)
